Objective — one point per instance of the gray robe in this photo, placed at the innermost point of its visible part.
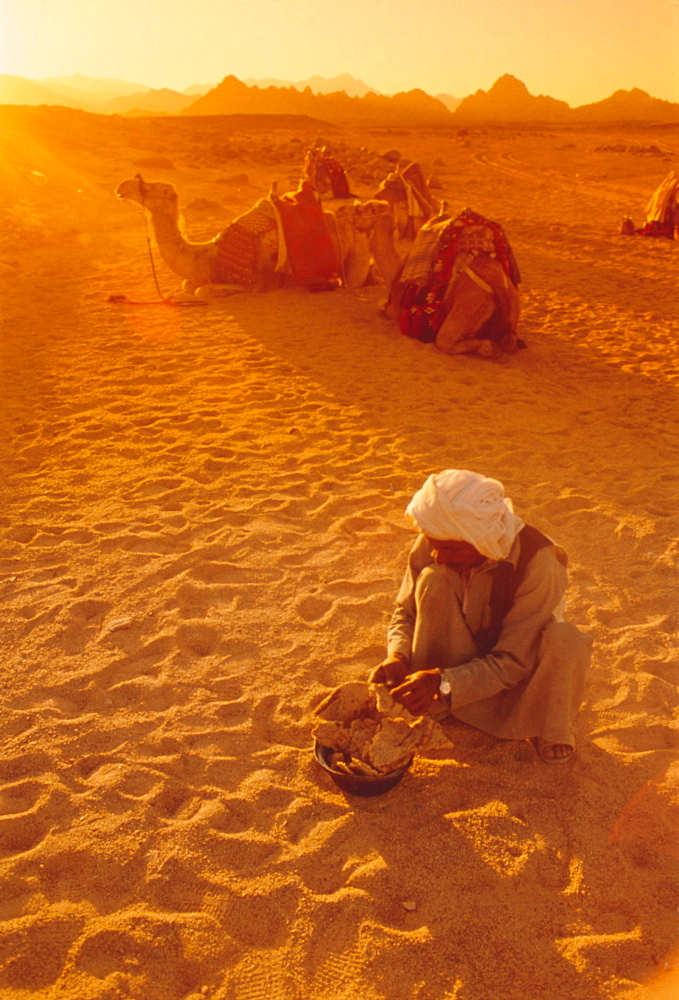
(532, 681)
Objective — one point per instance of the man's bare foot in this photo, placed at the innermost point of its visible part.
(552, 753)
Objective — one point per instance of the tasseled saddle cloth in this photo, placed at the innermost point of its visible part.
(238, 245)
(439, 247)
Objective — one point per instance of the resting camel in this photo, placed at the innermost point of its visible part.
(457, 287)
(407, 193)
(662, 211)
(477, 311)
(278, 240)
(325, 173)
(405, 189)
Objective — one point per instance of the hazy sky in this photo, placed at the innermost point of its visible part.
(578, 51)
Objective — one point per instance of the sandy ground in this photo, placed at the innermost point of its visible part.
(203, 533)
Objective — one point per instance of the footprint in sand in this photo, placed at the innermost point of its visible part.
(83, 620)
(20, 797)
(51, 937)
(175, 887)
(312, 608)
(142, 949)
(145, 695)
(28, 810)
(257, 920)
(198, 638)
(230, 714)
(22, 533)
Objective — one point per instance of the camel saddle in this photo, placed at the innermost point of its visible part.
(440, 247)
(238, 245)
(312, 257)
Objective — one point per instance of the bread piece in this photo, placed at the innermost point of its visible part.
(386, 706)
(362, 732)
(347, 702)
(355, 767)
(333, 735)
(387, 752)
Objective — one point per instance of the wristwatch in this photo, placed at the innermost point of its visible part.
(444, 687)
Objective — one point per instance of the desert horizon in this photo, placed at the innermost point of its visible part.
(204, 533)
(342, 99)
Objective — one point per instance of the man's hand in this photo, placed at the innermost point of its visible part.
(418, 691)
(392, 671)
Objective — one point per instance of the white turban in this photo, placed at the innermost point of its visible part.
(465, 506)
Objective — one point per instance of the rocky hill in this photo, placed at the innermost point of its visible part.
(509, 100)
(19, 90)
(164, 102)
(320, 85)
(95, 87)
(411, 109)
(629, 105)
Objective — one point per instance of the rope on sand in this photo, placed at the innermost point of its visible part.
(164, 299)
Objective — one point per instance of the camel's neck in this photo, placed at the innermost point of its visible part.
(188, 260)
(382, 246)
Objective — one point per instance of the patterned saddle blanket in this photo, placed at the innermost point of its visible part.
(297, 222)
(443, 248)
(238, 245)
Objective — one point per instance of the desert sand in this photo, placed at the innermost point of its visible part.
(203, 534)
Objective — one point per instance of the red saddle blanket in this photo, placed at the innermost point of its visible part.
(311, 251)
(423, 306)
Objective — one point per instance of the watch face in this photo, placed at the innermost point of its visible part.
(444, 686)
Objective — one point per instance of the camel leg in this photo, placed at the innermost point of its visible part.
(217, 291)
(209, 291)
(469, 308)
(357, 262)
(475, 345)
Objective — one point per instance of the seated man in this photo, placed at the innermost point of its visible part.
(476, 632)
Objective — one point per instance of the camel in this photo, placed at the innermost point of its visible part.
(662, 211)
(272, 243)
(405, 189)
(411, 202)
(479, 307)
(325, 173)
(361, 241)
(461, 293)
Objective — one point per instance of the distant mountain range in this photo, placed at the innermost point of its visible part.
(232, 96)
(320, 85)
(450, 102)
(340, 100)
(154, 102)
(509, 100)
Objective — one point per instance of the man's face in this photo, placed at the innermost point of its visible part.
(459, 555)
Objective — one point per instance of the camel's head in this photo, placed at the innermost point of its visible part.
(154, 196)
(392, 188)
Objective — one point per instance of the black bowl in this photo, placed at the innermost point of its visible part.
(359, 784)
